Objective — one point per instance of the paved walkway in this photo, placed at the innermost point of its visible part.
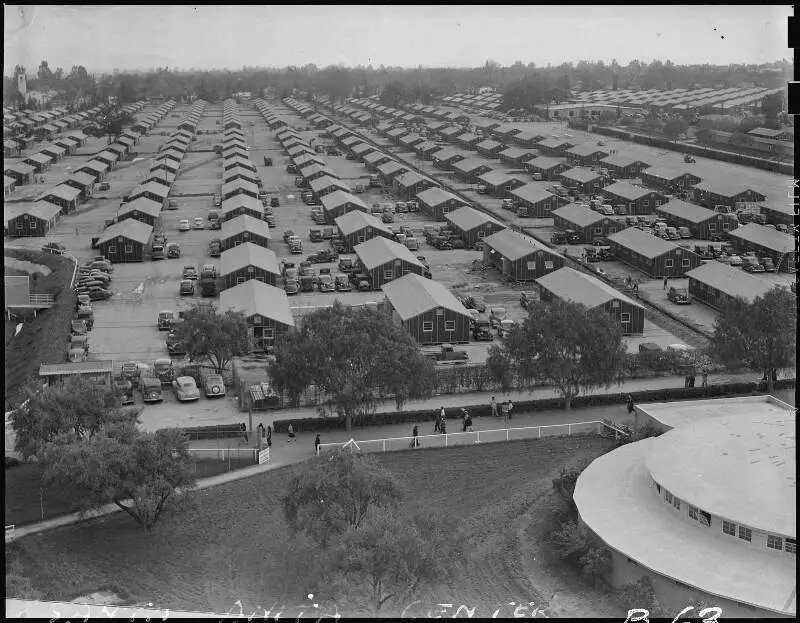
(285, 453)
(163, 416)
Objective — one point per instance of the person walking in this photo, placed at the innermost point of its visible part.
(510, 409)
(666, 280)
(691, 379)
(317, 443)
(443, 427)
(261, 431)
(704, 382)
(686, 381)
(438, 423)
(493, 404)
(415, 441)
(291, 434)
(468, 423)
(504, 410)
(464, 418)
(630, 403)
(269, 436)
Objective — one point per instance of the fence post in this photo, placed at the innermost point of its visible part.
(569, 429)
(540, 432)
(384, 445)
(506, 434)
(445, 440)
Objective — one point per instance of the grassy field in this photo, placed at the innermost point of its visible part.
(229, 547)
(42, 340)
(23, 504)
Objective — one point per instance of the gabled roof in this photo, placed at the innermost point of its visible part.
(451, 152)
(514, 246)
(304, 159)
(528, 136)
(129, 228)
(377, 251)
(109, 155)
(315, 167)
(325, 181)
(248, 254)
(627, 191)
(239, 201)
(489, 145)
(643, 243)
(255, 297)
(62, 191)
(731, 281)
(724, 187)
(40, 209)
(765, 237)
(467, 219)
(532, 193)
(498, 178)
(333, 200)
(387, 168)
(553, 143)
(621, 160)
(517, 152)
(83, 178)
(667, 172)
(239, 183)
(375, 156)
(357, 220)
(142, 204)
(242, 223)
(582, 217)
(159, 190)
(581, 175)
(544, 163)
(470, 164)
(409, 178)
(585, 149)
(96, 165)
(766, 132)
(688, 211)
(40, 158)
(361, 148)
(571, 285)
(436, 196)
(412, 295)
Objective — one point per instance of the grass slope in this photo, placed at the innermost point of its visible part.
(229, 548)
(44, 339)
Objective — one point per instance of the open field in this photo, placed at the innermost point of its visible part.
(228, 548)
(42, 339)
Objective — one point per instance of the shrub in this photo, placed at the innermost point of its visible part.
(595, 563)
(571, 541)
(641, 594)
(12, 461)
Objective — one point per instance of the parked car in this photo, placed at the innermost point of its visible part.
(151, 389)
(55, 248)
(183, 225)
(291, 286)
(342, 283)
(346, 265)
(768, 264)
(185, 389)
(172, 204)
(217, 200)
(214, 386)
(189, 272)
(679, 296)
(198, 223)
(274, 202)
(104, 186)
(187, 287)
(315, 235)
(326, 283)
(476, 301)
(735, 260)
(526, 298)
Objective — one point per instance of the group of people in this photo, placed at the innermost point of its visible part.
(690, 379)
(506, 408)
(266, 433)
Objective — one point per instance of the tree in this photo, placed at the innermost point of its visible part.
(356, 357)
(146, 474)
(675, 127)
(333, 494)
(772, 105)
(45, 74)
(218, 337)
(78, 408)
(391, 555)
(568, 345)
(394, 94)
(761, 334)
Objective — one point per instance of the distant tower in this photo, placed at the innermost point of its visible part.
(22, 84)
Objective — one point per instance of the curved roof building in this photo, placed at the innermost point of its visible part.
(707, 509)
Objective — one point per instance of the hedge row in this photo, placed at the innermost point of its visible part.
(221, 431)
(315, 424)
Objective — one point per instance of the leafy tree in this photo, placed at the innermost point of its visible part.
(761, 334)
(333, 494)
(78, 408)
(145, 474)
(567, 345)
(218, 337)
(356, 357)
(772, 105)
(391, 555)
(394, 94)
(45, 74)
(674, 128)
(291, 372)
(499, 366)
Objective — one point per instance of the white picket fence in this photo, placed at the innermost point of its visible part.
(224, 454)
(450, 440)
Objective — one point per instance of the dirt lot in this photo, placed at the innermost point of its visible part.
(494, 491)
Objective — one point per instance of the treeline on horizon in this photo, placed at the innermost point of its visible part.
(522, 85)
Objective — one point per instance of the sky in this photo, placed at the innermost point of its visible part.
(102, 38)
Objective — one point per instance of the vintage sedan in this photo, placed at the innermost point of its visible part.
(183, 225)
(185, 389)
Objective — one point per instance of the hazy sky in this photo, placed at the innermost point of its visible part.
(129, 37)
